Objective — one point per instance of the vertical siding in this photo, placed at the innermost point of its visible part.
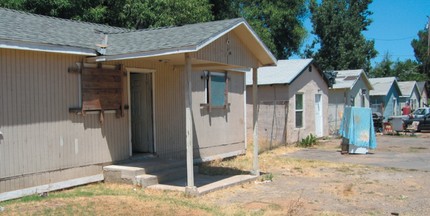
(221, 131)
(168, 105)
(228, 49)
(39, 133)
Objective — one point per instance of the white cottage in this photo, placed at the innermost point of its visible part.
(293, 101)
(410, 93)
(351, 88)
(423, 88)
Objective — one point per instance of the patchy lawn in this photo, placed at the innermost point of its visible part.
(290, 187)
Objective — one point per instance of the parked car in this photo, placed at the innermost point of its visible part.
(378, 118)
(424, 122)
(421, 112)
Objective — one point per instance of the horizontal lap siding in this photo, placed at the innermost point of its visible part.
(39, 133)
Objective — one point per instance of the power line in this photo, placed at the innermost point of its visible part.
(392, 39)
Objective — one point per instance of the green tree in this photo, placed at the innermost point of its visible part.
(338, 26)
(279, 23)
(122, 13)
(383, 68)
(420, 47)
(408, 70)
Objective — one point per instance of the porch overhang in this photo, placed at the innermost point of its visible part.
(175, 54)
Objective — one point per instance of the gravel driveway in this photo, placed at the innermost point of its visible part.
(402, 152)
(394, 181)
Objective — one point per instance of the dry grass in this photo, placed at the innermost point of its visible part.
(273, 159)
(110, 199)
(115, 199)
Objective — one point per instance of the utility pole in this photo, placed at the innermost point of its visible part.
(428, 37)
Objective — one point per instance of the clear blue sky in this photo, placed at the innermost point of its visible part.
(395, 24)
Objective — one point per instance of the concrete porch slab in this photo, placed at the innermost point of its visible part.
(205, 183)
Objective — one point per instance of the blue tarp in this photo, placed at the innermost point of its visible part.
(357, 127)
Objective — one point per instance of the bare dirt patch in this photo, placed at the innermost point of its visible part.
(316, 181)
(310, 186)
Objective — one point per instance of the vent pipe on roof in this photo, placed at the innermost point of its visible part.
(103, 45)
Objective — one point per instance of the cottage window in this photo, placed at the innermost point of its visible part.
(299, 110)
(101, 88)
(216, 89)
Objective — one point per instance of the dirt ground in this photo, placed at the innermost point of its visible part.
(355, 187)
(392, 180)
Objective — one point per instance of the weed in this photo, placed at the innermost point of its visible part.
(267, 177)
(308, 141)
(295, 207)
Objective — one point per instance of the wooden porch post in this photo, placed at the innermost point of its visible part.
(256, 168)
(190, 189)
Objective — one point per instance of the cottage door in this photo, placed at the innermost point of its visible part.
(318, 116)
(142, 135)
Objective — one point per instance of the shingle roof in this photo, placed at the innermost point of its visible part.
(346, 79)
(407, 87)
(32, 28)
(284, 73)
(22, 27)
(167, 38)
(421, 86)
(381, 86)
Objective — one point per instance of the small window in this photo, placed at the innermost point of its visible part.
(216, 88)
(299, 110)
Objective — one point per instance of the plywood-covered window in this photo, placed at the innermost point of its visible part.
(216, 89)
(101, 89)
(299, 110)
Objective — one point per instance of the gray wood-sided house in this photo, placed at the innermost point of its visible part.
(75, 96)
(385, 96)
(293, 101)
(423, 88)
(410, 93)
(351, 88)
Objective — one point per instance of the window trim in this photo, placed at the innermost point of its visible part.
(300, 110)
(207, 75)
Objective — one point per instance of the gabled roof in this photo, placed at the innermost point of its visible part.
(284, 72)
(381, 86)
(21, 30)
(422, 86)
(346, 79)
(407, 88)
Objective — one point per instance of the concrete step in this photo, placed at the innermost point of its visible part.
(122, 174)
(145, 172)
(167, 175)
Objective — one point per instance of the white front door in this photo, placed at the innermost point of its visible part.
(318, 116)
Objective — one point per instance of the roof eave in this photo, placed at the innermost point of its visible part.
(270, 60)
(366, 80)
(53, 48)
(152, 53)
